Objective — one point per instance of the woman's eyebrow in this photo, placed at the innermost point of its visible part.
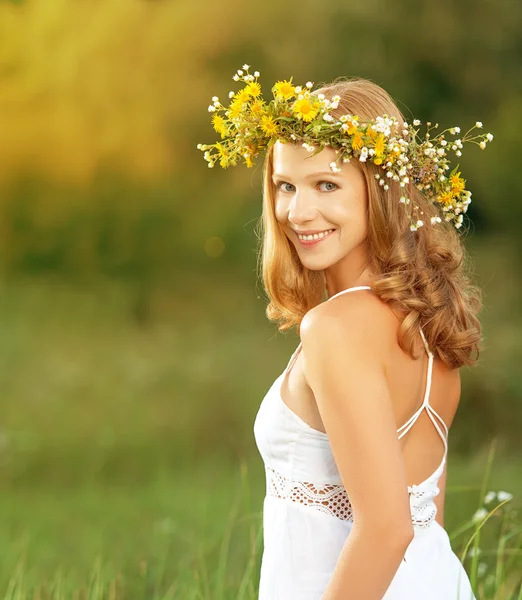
(321, 173)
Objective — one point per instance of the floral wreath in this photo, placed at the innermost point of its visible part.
(250, 125)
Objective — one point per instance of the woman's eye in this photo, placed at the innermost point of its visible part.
(329, 183)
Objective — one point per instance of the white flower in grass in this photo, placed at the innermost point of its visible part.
(501, 495)
(490, 496)
(482, 567)
(479, 515)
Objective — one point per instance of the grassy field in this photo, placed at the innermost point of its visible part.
(128, 467)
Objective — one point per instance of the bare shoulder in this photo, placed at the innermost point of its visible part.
(360, 317)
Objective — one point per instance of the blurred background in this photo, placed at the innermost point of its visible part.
(134, 349)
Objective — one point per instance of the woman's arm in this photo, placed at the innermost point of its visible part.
(343, 347)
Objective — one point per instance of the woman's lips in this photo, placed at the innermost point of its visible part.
(311, 243)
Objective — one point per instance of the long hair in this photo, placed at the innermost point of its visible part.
(422, 275)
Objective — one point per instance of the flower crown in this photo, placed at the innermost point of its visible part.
(250, 125)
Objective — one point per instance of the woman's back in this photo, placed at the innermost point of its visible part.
(407, 378)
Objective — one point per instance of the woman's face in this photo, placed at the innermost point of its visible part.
(311, 198)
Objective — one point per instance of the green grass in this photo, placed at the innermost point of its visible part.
(128, 467)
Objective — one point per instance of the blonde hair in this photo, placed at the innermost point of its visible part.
(422, 274)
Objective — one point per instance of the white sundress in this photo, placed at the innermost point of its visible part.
(307, 515)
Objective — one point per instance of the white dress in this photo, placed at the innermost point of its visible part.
(307, 515)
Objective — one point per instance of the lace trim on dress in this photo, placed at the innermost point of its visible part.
(332, 499)
(327, 498)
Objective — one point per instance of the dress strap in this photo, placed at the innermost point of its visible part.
(351, 289)
(426, 404)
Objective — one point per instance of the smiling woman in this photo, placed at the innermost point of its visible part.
(351, 509)
(359, 253)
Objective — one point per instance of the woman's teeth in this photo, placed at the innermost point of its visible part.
(315, 236)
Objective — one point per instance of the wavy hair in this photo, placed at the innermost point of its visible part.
(421, 275)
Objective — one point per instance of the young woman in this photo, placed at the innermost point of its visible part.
(354, 432)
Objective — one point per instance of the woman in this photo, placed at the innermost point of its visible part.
(354, 432)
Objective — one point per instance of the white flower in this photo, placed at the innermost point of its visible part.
(482, 567)
(478, 124)
(236, 77)
(403, 200)
(435, 220)
(481, 513)
(298, 89)
(309, 84)
(416, 122)
(420, 223)
(239, 72)
(472, 551)
(458, 153)
(256, 73)
(457, 129)
(482, 145)
(490, 496)
(444, 143)
(246, 67)
(199, 146)
(211, 108)
(215, 98)
(386, 187)
(501, 495)
(489, 137)
(231, 94)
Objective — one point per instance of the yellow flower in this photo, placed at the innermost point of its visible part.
(305, 110)
(223, 154)
(253, 89)
(257, 107)
(393, 155)
(219, 125)
(268, 125)
(372, 134)
(379, 146)
(235, 109)
(352, 129)
(248, 161)
(378, 161)
(357, 141)
(242, 96)
(283, 90)
(445, 198)
(457, 184)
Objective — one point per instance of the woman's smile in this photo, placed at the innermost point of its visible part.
(308, 241)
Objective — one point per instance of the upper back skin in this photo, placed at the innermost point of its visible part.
(422, 446)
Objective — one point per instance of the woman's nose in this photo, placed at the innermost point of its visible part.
(302, 208)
